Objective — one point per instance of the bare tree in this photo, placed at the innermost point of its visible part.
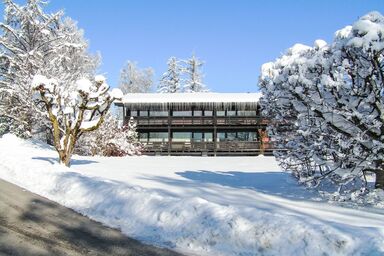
(135, 80)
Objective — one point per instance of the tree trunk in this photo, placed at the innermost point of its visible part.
(379, 179)
(65, 158)
(66, 154)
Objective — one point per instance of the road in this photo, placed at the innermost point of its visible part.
(33, 225)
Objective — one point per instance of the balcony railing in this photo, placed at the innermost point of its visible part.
(224, 146)
(200, 121)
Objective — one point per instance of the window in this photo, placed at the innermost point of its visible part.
(181, 136)
(120, 113)
(143, 113)
(221, 136)
(158, 113)
(231, 113)
(158, 136)
(208, 113)
(182, 113)
(220, 113)
(208, 137)
(133, 112)
(198, 136)
(246, 113)
(247, 136)
(231, 136)
(197, 113)
(143, 137)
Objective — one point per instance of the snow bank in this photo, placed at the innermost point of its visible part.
(190, 224)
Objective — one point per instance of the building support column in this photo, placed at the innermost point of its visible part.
(169, 131)
(214, 132)
(129, 114)
(124, 116)
(262, 138)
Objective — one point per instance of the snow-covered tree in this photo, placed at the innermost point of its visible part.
(171, 81)
(330, 97)
(135, 80)
(132, 135)
(74, 112)
(294, 128)
(111, 139)
(194, 80)
(33, 42)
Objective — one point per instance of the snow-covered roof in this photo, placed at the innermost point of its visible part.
(185, 100)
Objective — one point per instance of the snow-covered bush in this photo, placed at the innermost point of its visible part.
(327, 106)
(111, 139)
(34, 42)
(74, 112)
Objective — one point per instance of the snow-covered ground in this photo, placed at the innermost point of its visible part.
(197, 205)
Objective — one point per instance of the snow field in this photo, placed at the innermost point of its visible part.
(210, 211)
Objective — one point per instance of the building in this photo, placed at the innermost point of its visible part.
(198, 123)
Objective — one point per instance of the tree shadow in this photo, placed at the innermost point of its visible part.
(47, 228)
(277, 184)
(273, 183)
(55, 160)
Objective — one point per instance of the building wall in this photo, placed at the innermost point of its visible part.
(194, 130)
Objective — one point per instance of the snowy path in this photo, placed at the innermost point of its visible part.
(32, 225)
(204, 206)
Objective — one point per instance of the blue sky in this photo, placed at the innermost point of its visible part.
(234, 38)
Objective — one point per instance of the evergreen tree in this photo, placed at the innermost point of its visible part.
(171, 79)
(194, 81)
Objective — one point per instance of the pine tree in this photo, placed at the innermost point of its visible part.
(194, 81)
(171, 79)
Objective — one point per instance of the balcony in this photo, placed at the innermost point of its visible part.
(208, 148)
(200, 121)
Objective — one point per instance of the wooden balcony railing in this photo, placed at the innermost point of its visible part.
(224, 146)
(200, 121)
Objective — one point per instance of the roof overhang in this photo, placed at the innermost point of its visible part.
(186, 101)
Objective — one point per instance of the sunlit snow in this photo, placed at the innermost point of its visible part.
(197, 205)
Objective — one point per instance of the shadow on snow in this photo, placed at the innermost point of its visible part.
(55, 160)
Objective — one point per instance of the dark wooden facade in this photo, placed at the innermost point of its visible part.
(198, 128)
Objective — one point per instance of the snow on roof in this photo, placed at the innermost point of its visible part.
(203, 97)
(181, 100)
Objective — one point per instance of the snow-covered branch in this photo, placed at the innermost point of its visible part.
(331, 96)
(33, 42)
(75, 112)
